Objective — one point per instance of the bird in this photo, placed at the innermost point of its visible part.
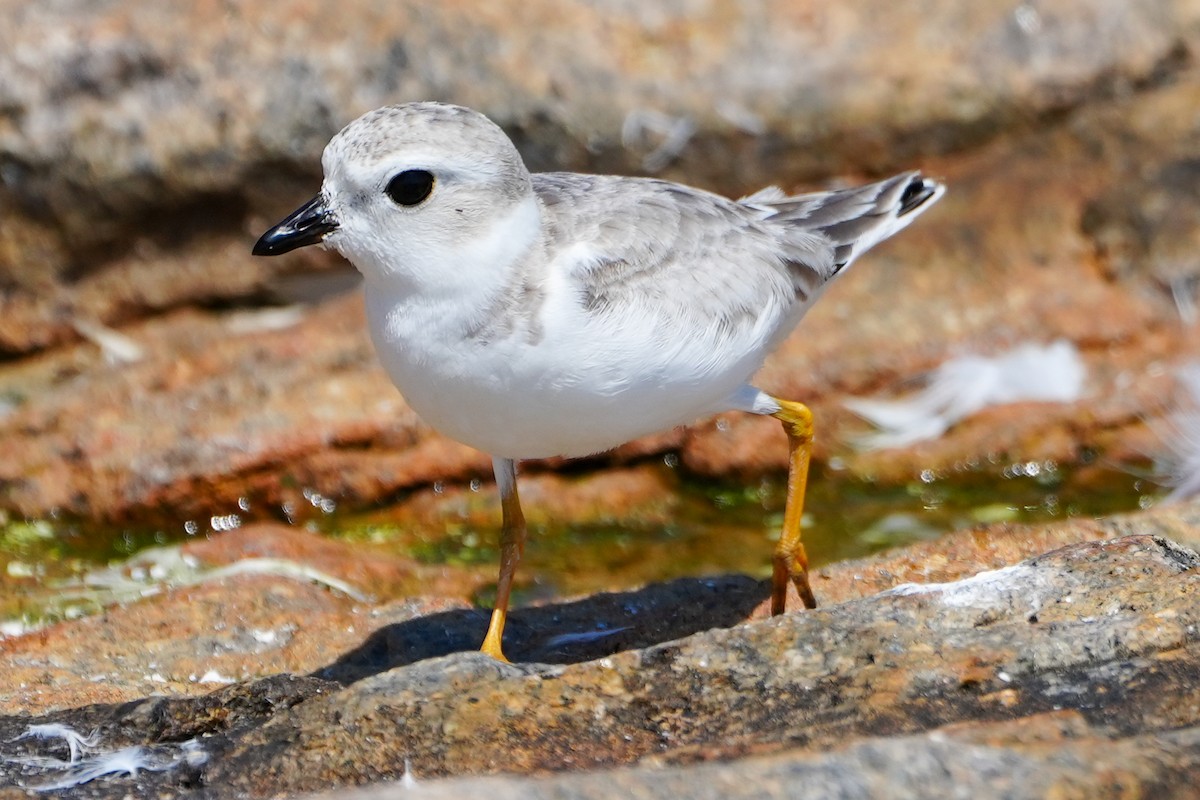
(561, 314)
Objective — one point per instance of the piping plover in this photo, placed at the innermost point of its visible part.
(562, 314)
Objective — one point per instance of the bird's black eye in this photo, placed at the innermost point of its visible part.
(410, 187)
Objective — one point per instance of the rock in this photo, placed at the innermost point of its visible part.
(1006, 257)
(260, 600)
(133, 132)
(1061, 664)
(263, 404)
(1056, 754)
(142, 149)
(1023, 640)
(1060, 131)
(207, 403)
(1151, 225)
(371, 571)
(125, 728)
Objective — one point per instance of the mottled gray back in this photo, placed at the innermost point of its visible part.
(677, 252)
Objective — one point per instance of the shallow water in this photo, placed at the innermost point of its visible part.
(724, 528)
(51, 569)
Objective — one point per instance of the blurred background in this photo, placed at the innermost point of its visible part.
(159, 385)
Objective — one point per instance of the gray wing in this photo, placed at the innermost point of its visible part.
(687, 256)
(680, 254)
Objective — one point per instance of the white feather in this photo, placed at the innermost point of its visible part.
(967, 384)
(84, 766)
(1178, 465)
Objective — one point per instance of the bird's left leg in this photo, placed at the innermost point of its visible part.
(512, 545)
(790, 560)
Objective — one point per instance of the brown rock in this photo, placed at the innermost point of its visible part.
(212, 413)
(1063, 664)
(643, 494)
(218, 413)
(1100, 628)
(1050, 755)
(263, 599)
(368, 568)
(136, 128)
(1005, 258)
(207, 418)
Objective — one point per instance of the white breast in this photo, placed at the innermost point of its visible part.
(583, 384)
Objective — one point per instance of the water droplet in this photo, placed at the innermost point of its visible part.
(191, 528)
(224, 522)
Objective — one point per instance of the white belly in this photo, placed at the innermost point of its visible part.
(580, 388)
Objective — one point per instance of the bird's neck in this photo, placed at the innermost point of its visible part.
(457, 282)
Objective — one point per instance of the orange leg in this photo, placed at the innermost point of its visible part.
(790, 560)
(512, 545)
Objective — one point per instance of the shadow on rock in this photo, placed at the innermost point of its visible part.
(563, 633)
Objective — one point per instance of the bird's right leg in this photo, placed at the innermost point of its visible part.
(512, 545)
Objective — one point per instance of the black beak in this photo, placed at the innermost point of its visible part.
(308, 224)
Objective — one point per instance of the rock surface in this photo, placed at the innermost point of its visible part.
(142, 149)
(130, 126)
(1078, 664)
(1051, 755)
(1060, 131)
(294, 399)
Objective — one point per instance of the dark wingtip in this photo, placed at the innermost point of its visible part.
(918, 192)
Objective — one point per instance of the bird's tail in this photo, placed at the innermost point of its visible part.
(855, 219)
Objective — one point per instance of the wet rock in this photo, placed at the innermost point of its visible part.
(216, 396)
(1062, 664)
(262, 600)
(643, 493)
